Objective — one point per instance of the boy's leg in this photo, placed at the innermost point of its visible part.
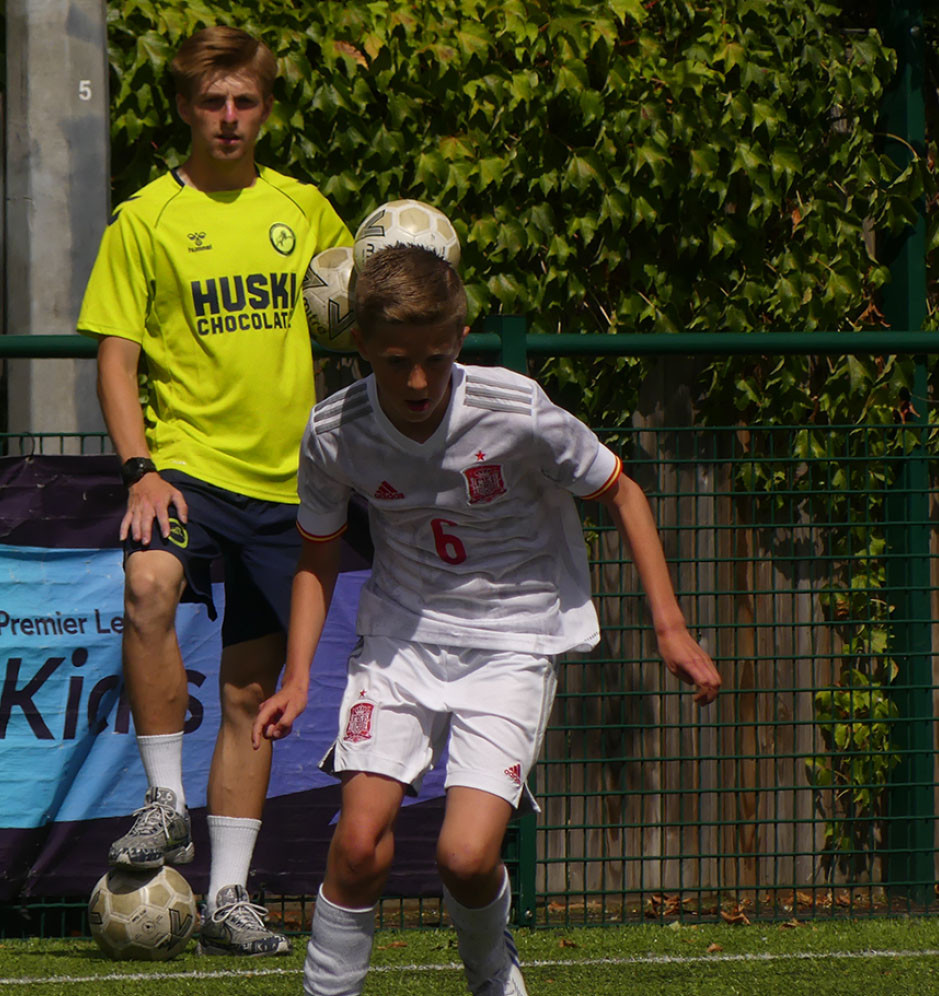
(469, 849)
(238, 780)
(156, 685)
(356, 869)
(476, 890)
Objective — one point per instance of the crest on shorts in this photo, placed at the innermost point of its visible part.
(359, 725)
(484, 483)
(178, 535)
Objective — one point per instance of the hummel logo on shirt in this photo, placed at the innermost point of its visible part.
(386, 492)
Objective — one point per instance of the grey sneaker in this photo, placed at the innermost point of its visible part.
(159, 835)
(236, 927)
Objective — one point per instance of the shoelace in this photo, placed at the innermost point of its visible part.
(154, 816)
(242, 913)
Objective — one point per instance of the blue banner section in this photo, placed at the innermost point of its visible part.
(66, 735)
(71, 773)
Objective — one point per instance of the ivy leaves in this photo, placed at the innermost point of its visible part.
(610, 166)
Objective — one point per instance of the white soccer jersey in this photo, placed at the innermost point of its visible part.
(477, 539)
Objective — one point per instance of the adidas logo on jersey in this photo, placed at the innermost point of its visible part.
(386, 492)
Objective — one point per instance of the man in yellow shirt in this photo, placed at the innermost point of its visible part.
(198, 280)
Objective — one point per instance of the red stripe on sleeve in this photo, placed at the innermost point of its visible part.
(610, 481)
(321, 539)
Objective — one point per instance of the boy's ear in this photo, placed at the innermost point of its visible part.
(359, 341)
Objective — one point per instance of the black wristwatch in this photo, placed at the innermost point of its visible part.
(135, 468)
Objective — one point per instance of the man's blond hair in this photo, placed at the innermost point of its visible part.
(221, 50)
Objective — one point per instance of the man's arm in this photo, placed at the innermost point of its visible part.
(629, 510)
(151, 496)
(312, 592)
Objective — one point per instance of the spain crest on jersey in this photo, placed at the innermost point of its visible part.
(484, 482)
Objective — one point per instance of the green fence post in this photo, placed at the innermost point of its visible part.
(513, 331)
(521, 847)
(911, 832)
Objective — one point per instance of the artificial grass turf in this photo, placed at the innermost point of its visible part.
(815, 959)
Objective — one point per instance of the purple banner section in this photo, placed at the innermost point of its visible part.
(71, 774)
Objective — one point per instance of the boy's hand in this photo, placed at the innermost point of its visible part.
(276, 715)
(689, 662)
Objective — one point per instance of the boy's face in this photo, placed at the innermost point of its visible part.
(225, 114)
(412, 367)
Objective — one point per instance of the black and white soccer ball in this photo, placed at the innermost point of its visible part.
(147, 915)
(409, 223)
(327, 301)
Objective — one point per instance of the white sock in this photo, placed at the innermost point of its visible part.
(162, 756)
(339, 951)
(231, 841)
(480, 934)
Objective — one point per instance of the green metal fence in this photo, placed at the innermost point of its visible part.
(807, 561)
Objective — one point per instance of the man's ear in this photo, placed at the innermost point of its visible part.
(182, 108)
(268, 107)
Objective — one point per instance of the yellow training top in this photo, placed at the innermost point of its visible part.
(209, 285)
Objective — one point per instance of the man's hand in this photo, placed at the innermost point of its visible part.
(276, 715)
(689, 662)
(150, 498)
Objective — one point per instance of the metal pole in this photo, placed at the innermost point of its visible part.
(521, 844)
(911, 828)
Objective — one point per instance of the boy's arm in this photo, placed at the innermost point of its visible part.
(630, 511)
(312, 592)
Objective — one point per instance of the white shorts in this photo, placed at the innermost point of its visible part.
(405, 702)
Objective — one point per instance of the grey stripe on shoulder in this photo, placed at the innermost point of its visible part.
(341, 408)
(494, 394)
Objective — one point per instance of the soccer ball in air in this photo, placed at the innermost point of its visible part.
(326, 298)
(146, 915)
(410, 223)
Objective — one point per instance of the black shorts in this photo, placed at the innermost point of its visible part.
(257, 543)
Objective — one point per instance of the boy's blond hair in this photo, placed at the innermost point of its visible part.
(221, 50)
(408, 285)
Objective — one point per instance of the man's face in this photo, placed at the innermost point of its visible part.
(225, 114)
(412, 372)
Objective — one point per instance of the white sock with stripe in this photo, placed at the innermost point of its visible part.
(481, 937)
(339, 951)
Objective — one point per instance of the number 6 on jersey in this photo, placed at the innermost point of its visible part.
(449, 547)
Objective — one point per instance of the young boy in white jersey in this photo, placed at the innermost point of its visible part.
(479, 581)
(198, 277)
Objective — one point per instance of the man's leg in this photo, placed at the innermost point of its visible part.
(155, 681)
(476, 890)
(356, 869)
(238, 780)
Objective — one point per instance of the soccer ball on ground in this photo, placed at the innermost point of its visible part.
(326, 299)
(410, 223)
(146, 915)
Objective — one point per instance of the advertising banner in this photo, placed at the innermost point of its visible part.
(70, 774)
